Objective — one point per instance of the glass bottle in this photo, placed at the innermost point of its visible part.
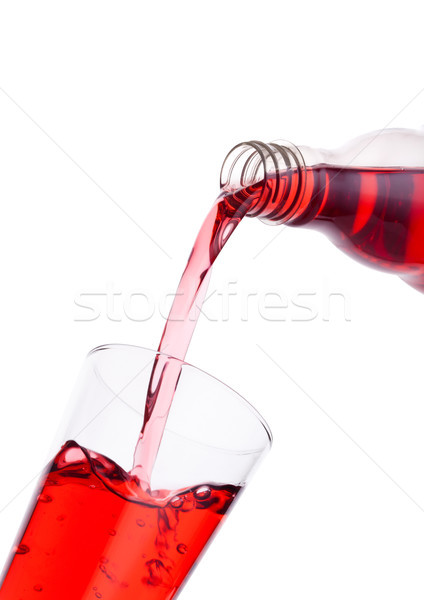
(367, 196)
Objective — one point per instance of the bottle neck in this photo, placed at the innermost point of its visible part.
(278, 172)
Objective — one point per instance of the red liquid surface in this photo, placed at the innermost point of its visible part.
(92, 533)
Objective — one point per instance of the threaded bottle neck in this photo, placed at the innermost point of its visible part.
(279, 171)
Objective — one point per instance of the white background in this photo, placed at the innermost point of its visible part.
(143, 100)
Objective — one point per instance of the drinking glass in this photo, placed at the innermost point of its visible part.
(91, 531)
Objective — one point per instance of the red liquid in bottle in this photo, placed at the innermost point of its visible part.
(92, 533)
(374, 215)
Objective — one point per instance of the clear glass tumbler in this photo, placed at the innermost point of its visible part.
(91, 532)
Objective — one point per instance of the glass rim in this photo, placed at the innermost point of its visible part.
(250, 407)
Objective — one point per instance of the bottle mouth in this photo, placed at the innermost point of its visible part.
(280, 167)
